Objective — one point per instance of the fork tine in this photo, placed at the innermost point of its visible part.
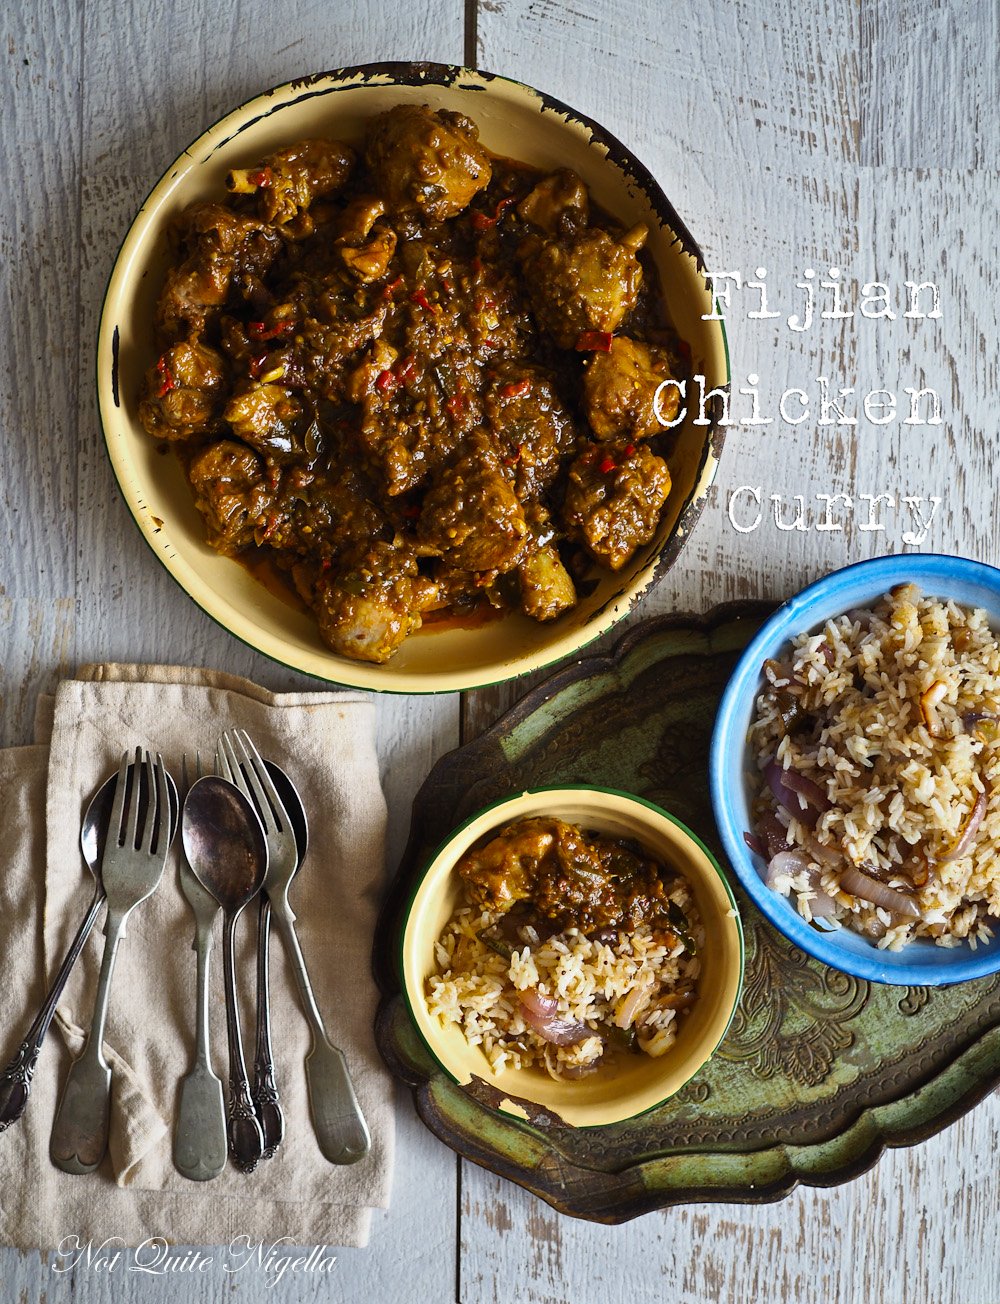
(226, 764)
(118, 805)
(135, 799)
(261, 780)
(143, 841)
(163, 804)
(185, 781)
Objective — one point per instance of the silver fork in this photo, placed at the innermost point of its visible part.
(200, 1139)
(340, 1126)
(134, 856)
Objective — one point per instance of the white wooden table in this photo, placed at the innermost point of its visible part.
(789, 134)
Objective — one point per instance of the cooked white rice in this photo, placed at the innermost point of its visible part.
(904, 706)
(630, 981)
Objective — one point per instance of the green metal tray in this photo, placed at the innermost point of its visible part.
(819, 1071)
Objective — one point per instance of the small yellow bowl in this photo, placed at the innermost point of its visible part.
(636, 1083)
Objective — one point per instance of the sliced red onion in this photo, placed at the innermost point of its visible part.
(967, 837)
(812, 792)
(630, 1006)
(774, 833)
(786, 862)
(869, 889)
(822, 906)
(537, 1002)
(755, 843)
(539, 1012)
(776, 671)
(789, 786)
(828, 856)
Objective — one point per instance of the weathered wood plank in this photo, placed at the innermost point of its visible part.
(930, 74)
(93, 110)
(756, 118)
(907, 1230)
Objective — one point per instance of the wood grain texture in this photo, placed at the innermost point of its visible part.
(930, 74)
(787, 137)
(93, 110)
(788, 134)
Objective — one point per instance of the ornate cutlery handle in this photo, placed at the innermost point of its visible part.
(246, 1141)
(265, 1093)
(340, 1126)
(80, 1131)
(15, 1080)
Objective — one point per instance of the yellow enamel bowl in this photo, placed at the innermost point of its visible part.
(515, 121)
(635, 1083)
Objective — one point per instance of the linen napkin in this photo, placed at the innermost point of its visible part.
(325, 741)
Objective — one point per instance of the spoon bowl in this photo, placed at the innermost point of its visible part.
(225, 846)
(224, 842)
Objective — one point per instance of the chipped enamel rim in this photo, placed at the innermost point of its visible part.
(516, 120)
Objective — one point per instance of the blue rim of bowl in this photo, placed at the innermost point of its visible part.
(573, 787)
(923, 569)
(409, 72)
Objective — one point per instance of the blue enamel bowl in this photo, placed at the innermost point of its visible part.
(731, 767)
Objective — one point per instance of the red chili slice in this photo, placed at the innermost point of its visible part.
(517, 389)
(594, 342)
(167, 382)
(261, 331)
(480, 221)
(386, 382)
(420, 298)
(263, 178)
(607, 465)
(405, 369)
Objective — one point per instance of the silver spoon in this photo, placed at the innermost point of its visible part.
(225, 846)
(265, 1092)
(15, 1080)
(200, 1141)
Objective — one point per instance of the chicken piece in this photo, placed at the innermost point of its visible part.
(288, 181)
(584, 282)
(182, 392)
(427, 161)
(264, 417)
(506, 868)
(223, 248)
(339, 510)
(532, 430)
(365, 244)
(558, 205)
(614, 499)
(620, 388)
(546, 587)
(373, 602)
(232, 493)
(471, 514)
